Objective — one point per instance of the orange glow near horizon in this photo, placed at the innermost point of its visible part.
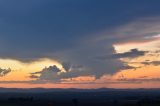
(22, 70)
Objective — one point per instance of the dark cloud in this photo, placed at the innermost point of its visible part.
(133, 53)
(141, 80)
(54, 74)
(4, 72)
(126, 66)
(74, 31)
(40, 29)
(47, 74)
(34, 76)
(66, 66)
(155, 63)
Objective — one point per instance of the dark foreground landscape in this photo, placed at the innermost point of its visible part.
(79, 97)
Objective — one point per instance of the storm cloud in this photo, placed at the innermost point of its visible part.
(74, 32)
(31, 29)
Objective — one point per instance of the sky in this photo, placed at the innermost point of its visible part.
(79, 44)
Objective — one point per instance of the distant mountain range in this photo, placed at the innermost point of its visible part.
(70, 90)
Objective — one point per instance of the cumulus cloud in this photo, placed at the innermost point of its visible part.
(54, 74)
(47, 74)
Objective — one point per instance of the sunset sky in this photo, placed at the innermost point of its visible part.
(80, 43)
